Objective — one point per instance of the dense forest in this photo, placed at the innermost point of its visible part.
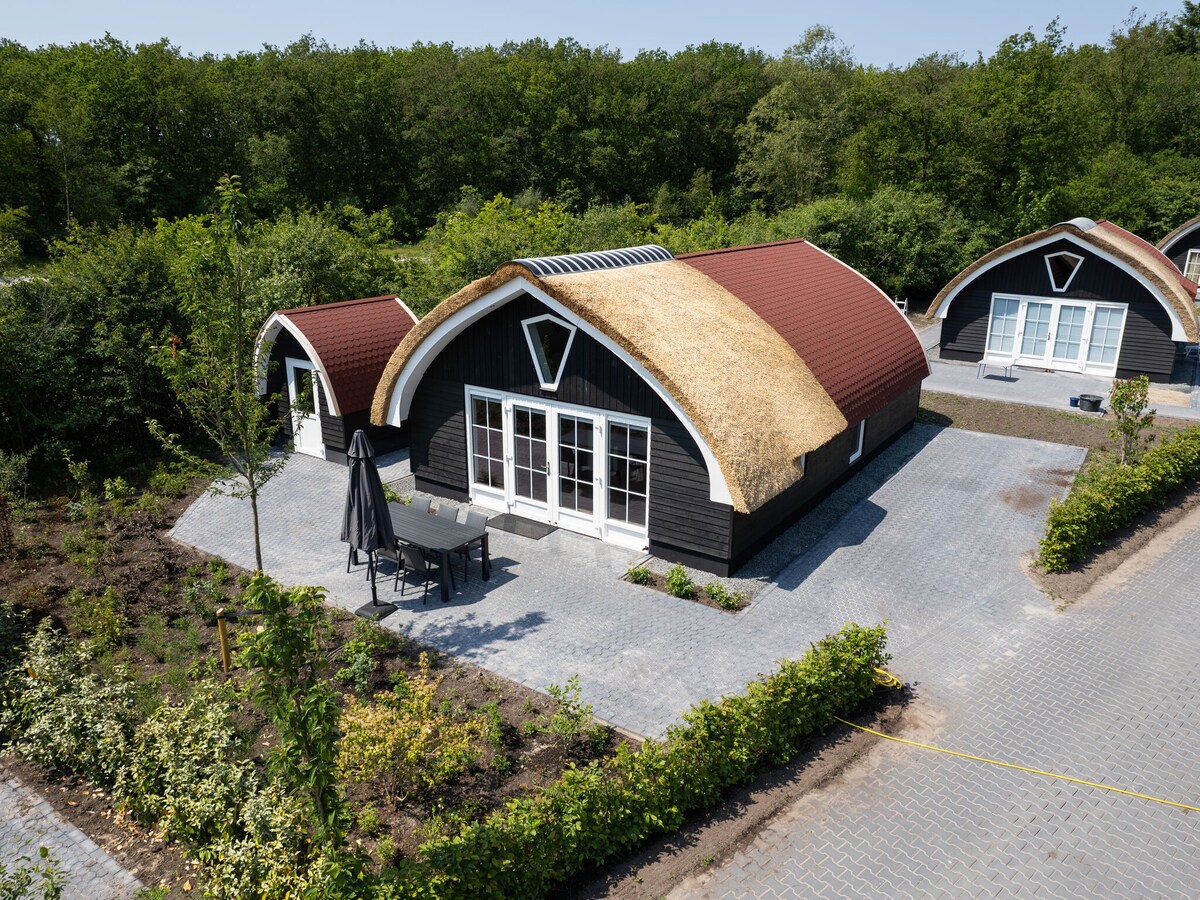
(413, 170)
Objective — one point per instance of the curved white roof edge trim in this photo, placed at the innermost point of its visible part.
(272, 327)
(400, 402)
(881, 291)
(1187, 232)
(404, 306)
(1178, 333)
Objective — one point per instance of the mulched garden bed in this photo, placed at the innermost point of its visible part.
(724, 600)
(156, 601)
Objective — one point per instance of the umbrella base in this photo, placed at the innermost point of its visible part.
(375, 611)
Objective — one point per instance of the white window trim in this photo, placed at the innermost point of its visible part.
(1083, 367)
(1187, 264)
(536, 352)
(858, 450)
(1049, 271)
(611, 531)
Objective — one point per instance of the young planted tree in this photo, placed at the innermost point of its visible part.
(214, 371)
(1128, 402)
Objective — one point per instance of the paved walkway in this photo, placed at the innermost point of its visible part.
(949, 525)
(28, 822)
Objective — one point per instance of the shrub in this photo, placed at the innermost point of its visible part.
(407, 743)
(725, 598)
(679, 584)
(101, 617)
(1128, 402)
(572, 721)
(169, 481)
(189, 768)
(639, 575)
(1111, 496)
(591, 813)
(358, 655)
(62, 715)
(22, 877)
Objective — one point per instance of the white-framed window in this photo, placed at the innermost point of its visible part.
(858, 443)
(487, 441)
(1191, 266)
(550, 340)
(1062, 268)
(628, 473)
(1060, 333)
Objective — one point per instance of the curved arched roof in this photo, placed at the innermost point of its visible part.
(1139, 258)
(349, 342)
(719, 347)
(1178, 234)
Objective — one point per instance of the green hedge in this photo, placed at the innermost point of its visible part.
(591, 814)
(1112, 496)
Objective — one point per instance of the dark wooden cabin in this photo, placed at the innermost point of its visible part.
(1182, 247)
(693, 407)
(324, 363)
(1082, 296)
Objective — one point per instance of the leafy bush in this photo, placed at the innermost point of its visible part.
(358, 655)
(189, 767)
(679, 584)
(1128, 402)
(572, 721)
(169, 481)
(22, 877)
(1111, 496)
(725, 598)
(101, 617)
(407, 743)
(639, 575)
(592, 813)
(62, 715)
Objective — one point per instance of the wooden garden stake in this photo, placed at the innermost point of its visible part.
(223, 634)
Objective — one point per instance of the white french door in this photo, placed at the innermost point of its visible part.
(1066, 335)
(304, 401)
(582, 469)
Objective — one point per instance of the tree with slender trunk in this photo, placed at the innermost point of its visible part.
(215, 369)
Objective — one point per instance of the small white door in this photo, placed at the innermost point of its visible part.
(529, 461)
(304, 400)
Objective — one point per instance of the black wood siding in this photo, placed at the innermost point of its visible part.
(1146, 348)
(336, 431)
(492, 353)
(827, 468)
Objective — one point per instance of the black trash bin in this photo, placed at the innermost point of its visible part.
(1090, 402)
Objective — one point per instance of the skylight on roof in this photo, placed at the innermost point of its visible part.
(1062, 268)
(550, 341)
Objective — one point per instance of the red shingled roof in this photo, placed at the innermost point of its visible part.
(1188, 285)
(354, 340)
(852, 337)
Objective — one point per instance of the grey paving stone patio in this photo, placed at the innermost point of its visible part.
(28, 822)
(946, 528)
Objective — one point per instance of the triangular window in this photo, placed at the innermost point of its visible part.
(1062, 268)
(549, 343)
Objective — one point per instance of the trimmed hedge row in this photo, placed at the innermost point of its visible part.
(534, 844)
(1112, 496)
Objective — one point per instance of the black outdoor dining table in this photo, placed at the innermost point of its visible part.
(433, 534)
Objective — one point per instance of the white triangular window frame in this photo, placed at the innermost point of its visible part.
(1074, 271)
(547, 379)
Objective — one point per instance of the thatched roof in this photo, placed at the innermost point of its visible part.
(1182, 231)
(1129, 250)
(754, 401)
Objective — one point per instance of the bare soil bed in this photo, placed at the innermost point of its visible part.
(163, 597)
(734, 602)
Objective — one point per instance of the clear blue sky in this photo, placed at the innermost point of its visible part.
(879, 33)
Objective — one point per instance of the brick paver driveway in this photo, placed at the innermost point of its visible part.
(937, 542)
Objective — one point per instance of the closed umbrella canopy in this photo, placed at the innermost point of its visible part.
(366, 524)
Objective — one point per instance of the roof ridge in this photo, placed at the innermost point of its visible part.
(739, 247)
(337, 304)
(594, 261)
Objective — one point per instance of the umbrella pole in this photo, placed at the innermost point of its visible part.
(374, 594)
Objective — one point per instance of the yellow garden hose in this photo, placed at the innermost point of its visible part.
(887, 679)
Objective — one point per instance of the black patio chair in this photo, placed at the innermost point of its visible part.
(418, 563)
(475, 519)
(446, 511)
(419, 504)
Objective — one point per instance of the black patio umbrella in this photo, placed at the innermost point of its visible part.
(366, 524)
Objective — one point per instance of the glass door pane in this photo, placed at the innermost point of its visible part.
(529, 453)
(1069, 335)
(487, 441)
(1037, 329)
(628, 473)
(1106, 335)
(1003, 328)
(576, 468)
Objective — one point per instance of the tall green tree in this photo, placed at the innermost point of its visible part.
(215, 369)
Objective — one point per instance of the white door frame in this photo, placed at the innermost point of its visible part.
(306, 427)
(1047, 359)
(597, 524)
